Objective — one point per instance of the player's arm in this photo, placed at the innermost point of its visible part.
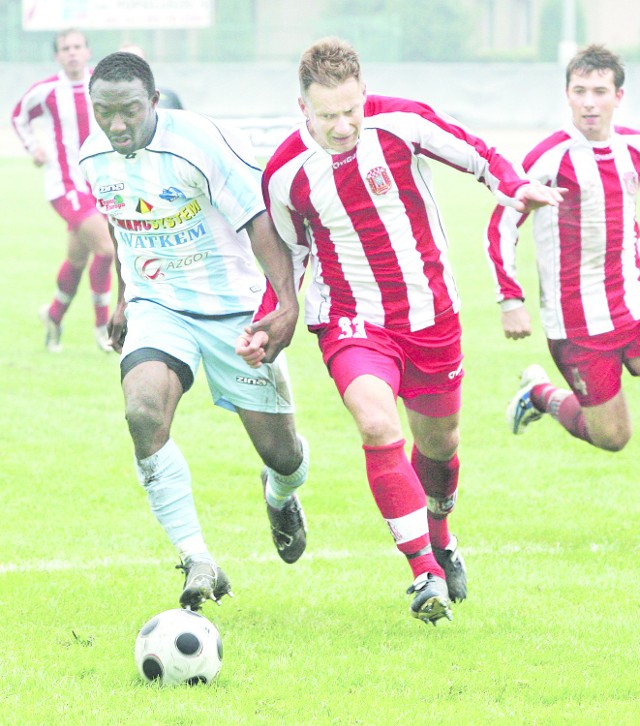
(117, 325)
(278, 326)
(501, 239)
(29, 107)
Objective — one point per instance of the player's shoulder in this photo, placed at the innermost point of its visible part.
(196, 138)
(292, 148)
(555, 142)
(94, 145)
(394, 106)
(190, 127)
(44, 85)
(629, 135)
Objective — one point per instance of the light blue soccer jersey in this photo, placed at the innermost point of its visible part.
(175, 207)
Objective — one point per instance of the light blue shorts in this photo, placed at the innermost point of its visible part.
(233, 384)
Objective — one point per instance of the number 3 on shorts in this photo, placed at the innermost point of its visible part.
(352, 328)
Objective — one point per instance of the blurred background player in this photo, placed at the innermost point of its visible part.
(587, 259)
(187, 216)
(168, 98)
(350, 187)
(61, 104)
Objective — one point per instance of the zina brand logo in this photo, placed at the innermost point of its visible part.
(107, 188)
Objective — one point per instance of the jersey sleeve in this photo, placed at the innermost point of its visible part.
(436, 135)
(503, 231)
(501, 240)
(28, 108)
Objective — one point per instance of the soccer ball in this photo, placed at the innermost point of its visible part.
(179, 646)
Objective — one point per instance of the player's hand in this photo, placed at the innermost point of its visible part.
(117, 328)
(516, 323)
(534, 195)
(251, 346)
(279, 326)
(39, 156)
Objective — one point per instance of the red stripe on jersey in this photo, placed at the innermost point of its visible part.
(508, 287)
(61, 155)
(569, 227)
(398, 157)
(82, 112)
(342, 299)
(614, 225)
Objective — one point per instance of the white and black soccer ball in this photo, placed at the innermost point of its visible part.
(179, 646)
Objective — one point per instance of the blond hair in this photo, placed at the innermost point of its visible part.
(329, 62)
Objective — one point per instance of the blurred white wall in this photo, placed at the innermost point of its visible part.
(492, 96)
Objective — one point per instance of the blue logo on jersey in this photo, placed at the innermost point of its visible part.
(171, 194)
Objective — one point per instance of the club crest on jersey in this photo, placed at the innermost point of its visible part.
(631, 182)
(379, 180)
(172, 193)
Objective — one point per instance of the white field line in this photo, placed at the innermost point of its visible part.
(57, 565)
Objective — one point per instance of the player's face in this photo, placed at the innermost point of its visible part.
(335, 115)
(125, 113)
(73, 55)
(593, 98)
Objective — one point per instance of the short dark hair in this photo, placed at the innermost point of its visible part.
(329, 62)
(123, 66)
(63, 34)
(596, 58)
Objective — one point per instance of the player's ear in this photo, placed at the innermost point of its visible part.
(302, 105)
(155, 98)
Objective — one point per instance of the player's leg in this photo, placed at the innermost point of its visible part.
(395, 486)
(368, 377)
(159, 362)
(93, 233)
(285, 454)
(67, 281)
(595, 409)
(70, 272)
(431, 392)
(262, 397)
(435, 461)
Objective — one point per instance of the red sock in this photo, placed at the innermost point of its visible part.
(402, 502)
(67, 281)
(100, 281)
(439, 480)
(563, 406)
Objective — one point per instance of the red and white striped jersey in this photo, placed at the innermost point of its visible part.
(64, 108)
(587, 248)
(369, 216)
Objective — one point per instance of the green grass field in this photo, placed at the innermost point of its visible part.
(550, 633)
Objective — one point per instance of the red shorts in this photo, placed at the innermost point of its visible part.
(424, 368)
(75, 207)
(593, 367)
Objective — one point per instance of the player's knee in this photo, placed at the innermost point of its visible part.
(281, 452)
(143, 419)
(378, 430)
(613, 442)
(441, 446)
